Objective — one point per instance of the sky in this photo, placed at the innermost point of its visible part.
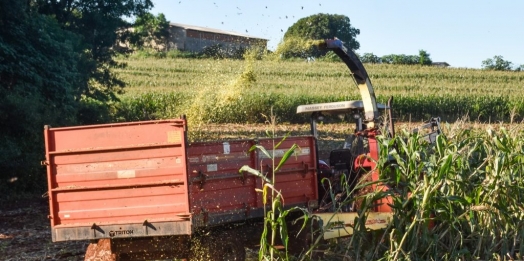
(462, 33)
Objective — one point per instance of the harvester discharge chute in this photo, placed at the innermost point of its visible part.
(371, 113)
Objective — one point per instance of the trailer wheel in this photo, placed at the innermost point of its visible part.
(100, 251)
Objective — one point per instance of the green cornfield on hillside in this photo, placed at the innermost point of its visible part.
(240, 91)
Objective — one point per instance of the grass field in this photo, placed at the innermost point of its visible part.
(239, 91)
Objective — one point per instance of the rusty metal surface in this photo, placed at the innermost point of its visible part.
(117, 174)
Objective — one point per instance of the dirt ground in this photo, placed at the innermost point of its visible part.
(25, 234)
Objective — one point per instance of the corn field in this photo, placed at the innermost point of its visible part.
(240, 91)
(458, 199)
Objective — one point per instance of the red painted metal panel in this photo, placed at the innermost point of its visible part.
(216, 186)
(120, 205)
(132, 172)
(296, 179)
(117, 173)
(160, 165)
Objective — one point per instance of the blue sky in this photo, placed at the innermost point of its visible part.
(462, 33)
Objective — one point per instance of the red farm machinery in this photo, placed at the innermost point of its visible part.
(140, 190)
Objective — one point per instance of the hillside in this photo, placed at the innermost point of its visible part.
(239, 91)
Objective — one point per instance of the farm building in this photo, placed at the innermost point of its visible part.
(440, 64)
(196, 39)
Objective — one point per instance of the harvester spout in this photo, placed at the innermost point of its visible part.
(371, 113)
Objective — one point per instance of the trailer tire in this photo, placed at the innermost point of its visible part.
(100, 251)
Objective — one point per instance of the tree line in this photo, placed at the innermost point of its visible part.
(497, 63)
(55, 61)
(325, 26)
(423, 58)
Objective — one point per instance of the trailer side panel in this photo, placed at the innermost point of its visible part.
(118, 180)
(219, 194)
(297, 178)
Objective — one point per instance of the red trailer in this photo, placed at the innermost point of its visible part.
(135, 186)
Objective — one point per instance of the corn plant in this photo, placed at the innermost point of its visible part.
(274, 215)
(460, 198)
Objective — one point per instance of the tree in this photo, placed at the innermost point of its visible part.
(41, 72)
(497, 64)
(370, 58)
(150, 31)
(400, 59)
(97, 23)
(55, 59)
(324, 26)
(424, 58)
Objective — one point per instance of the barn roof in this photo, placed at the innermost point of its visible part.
(440, 64)
(211, 30)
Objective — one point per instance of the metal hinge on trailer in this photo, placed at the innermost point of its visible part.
(95, 228)
(147, 225)
(200, 178)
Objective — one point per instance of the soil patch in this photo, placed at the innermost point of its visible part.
(25, 233)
